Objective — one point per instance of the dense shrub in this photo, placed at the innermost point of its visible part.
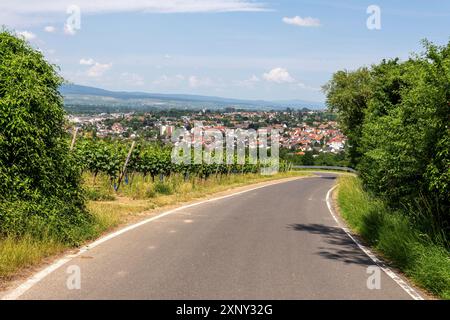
(39, 180)
(398, 114)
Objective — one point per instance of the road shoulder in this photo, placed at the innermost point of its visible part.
(393, 272)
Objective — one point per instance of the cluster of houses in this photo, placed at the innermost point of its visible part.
(322, 137)
(299, 136)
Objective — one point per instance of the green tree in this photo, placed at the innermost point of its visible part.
(347, 94)
(406, 134)
(308, 159)
(398, 113)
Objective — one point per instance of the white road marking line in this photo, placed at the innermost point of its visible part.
(30, 282)
(408, 289)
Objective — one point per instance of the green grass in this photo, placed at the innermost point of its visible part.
(142, 194)
(110, 209)
(98, 194)
(393, 234)
(143, 188)
(17, 253)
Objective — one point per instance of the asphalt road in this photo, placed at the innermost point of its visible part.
(277, 242)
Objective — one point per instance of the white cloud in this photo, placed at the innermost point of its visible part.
(23, 12)
(302, 22)
(253, 78)
(278, 75)
(27, 35)
(250, 82)
(49, 29)
(96, 69)
(87, 62)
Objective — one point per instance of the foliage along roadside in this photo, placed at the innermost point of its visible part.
(396, 236)
(396, 116)
(40, 191)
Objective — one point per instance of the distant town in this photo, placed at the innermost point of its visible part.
(300, 131)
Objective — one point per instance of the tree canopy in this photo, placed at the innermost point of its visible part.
(396, 115)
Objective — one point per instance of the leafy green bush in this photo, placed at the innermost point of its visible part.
(39, 180)
(396, 115)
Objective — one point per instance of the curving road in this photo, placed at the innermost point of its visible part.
(276, 242)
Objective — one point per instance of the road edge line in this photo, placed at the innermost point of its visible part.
(407, 288)
(15, 293)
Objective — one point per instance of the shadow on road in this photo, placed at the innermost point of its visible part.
(341, 247)
(328, 177)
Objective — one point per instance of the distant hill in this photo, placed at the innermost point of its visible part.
(84, 97)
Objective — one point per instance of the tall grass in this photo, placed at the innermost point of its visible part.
(143, 188)
(397, 235)
(16, 253)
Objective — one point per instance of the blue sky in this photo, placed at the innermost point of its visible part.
(232, 48)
